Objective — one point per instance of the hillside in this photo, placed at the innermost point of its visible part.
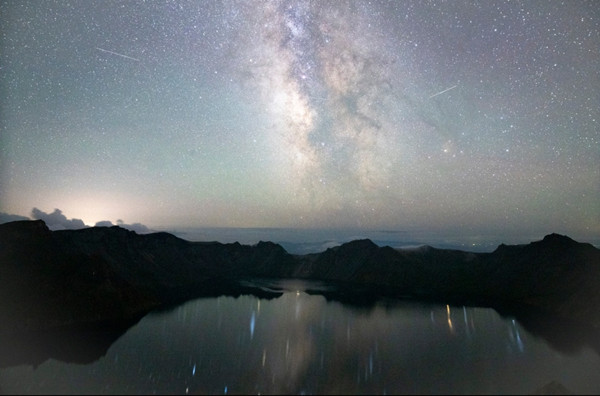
(105, 275)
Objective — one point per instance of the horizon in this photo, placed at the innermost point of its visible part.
(313, 240)
(476, 119)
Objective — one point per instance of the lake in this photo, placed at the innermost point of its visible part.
(302, 343)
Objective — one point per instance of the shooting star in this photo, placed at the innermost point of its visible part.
(116, 53)
(441, 92)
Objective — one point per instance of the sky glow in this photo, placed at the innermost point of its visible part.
(460, 116)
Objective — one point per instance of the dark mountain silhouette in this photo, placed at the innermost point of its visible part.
(76, 344)
(109, 277)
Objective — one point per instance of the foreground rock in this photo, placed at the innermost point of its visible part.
(109, 276)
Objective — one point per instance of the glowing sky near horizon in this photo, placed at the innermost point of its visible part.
(465, 116)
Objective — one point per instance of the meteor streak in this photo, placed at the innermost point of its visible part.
(116, 53)
(441, 92)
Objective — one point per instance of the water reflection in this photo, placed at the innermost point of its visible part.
(303, 343)
(82, 345)
(564, 336)
(449, 318)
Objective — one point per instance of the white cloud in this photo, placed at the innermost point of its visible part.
(57, 220)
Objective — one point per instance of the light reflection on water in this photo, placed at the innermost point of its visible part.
(300, 343)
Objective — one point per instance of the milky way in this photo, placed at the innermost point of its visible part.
(460, 116)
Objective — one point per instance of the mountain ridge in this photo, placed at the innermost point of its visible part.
(109, 274)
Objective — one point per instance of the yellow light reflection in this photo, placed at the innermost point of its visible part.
(449, 319)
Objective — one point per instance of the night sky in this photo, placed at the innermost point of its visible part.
(460, 116)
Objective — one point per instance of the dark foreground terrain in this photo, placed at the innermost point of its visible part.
(106, 279)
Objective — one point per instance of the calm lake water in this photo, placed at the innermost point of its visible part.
(301, 343)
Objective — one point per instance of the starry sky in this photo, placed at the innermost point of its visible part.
(458, 116)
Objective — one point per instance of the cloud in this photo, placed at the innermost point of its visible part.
(137, 227)
(6, 218)
(57, 220)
